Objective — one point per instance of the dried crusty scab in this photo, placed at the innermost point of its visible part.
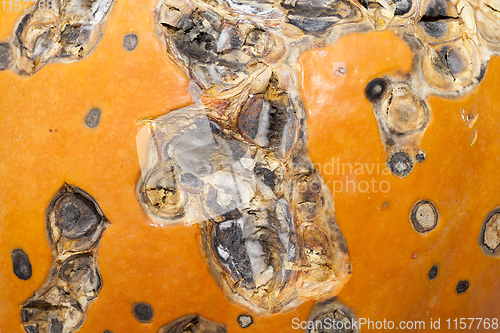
(75, 223)
(66, 31)
(489, 237)
(267, 223)
(193, 323)
(331, 316)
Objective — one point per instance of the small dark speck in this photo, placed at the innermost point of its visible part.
(130, 42)
(50, 130)
(433, 272)
(107, 331)
(462, 286)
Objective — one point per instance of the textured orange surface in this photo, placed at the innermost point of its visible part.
(461, 180)
(44, 143)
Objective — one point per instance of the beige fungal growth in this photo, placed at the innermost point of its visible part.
(75, 224)
(424, 216)
(489, 238)
(62, 31)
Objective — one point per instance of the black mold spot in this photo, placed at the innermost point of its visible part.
(400, 164)
(436, 8)
(92, 118)
(245, 320)
(420, 156)
(433, 272)
(375, 89)
(21, 263)
(364, 3)
(143, 312)
(434, 29)
(77, 216)
(462, 286)
(230, 240)
(130, 42)
(402, 7)
(56, 326)
(451, 57)
(268, 176)
(310, 25)
(6, 56)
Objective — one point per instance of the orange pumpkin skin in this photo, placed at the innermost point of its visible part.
(46, 143)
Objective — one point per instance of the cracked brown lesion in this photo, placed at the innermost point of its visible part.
(67, 31)
(75, 224)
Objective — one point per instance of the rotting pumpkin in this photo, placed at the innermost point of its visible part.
(427, 215)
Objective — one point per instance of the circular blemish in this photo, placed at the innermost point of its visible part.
(245, 320)
(424, 216)
(462, 286)
(130, 42)
(143, 312)
(93, 118)
(21, 264)
(400, 164)
(375, 89)
(433, 272)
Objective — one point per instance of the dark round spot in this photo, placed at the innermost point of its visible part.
(92, 118)
(462, 286)
(268, 177)
(433, 272)
(56, 326)
(130, 42)
(6, 56)
(364, 3)
(248, 121)
(21, 263)
(76, 215)
(310, 25)
(190, 180)
(143, 312)
(245, 320)
(452, 59)
(69, 215)
(436, 9)
(424, 216)
(434, 29)
(107, 331)
(390, 142)
(400, 164)
(375, 89)
(402, 7)
(420, 156)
